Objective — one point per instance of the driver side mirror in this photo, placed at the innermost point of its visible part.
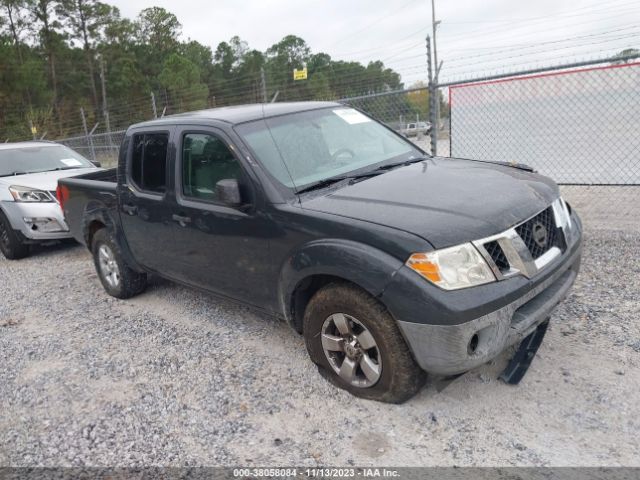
(228, 192)
(96, 163)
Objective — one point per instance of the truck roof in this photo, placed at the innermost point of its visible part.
(240, 113)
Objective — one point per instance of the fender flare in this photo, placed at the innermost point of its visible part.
(97, 211)
(368, 267)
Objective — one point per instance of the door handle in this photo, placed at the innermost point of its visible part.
(130, 209)
(181, 219)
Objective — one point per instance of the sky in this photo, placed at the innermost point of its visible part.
(474, 38)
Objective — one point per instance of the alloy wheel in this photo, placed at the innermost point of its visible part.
(108, 266)
(351, 350)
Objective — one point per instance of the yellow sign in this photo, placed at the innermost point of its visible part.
(34, 130)
(300, 74)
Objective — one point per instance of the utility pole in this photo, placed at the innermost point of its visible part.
(432, 102)
(434, 26)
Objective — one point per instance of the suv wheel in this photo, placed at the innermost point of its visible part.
(357, 345)
(10, 245)
(117, 278)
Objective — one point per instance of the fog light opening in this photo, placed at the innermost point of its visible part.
(473, 344)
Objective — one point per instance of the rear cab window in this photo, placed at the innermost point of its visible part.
(148, 164)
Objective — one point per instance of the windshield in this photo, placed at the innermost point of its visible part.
(23, 160)
(305, 148)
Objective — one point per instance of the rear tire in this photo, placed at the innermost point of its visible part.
(345, 326)
(10, 245)
(117, 278)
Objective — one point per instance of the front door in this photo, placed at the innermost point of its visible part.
(219, 247)
(146, 220)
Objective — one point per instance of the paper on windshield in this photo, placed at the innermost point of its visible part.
(351, 116)
(71, 162)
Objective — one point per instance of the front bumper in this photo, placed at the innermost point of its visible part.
(44, 221)
(449, 344)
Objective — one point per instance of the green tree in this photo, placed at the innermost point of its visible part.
(181, 78)
(51, 41)
(290, 53)
(159, 29)
(85, 21)
(158, 32)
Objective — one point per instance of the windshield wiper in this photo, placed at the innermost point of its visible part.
(403, 163)
(356, 176)
(331, 180)
(321, 184)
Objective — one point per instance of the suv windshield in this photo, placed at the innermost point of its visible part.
(23, 160)
(306, 148)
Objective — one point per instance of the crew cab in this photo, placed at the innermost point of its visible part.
(391, 263)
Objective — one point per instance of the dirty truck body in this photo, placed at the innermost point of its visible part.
(391, 263)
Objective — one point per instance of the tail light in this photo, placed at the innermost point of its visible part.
(62, 193)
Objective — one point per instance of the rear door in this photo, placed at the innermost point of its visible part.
(143, 197)
(219, 247)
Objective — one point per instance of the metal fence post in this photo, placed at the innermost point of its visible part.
(432, 104)
(88, 138)
(153, 105)
(263, 85)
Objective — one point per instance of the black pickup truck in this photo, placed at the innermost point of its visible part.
(390, 262)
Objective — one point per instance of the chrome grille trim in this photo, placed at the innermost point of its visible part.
(521, 261)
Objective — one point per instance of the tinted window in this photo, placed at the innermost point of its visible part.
(149, 161)
(205, 161)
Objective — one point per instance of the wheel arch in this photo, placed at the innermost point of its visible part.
(95, 217)
(98, 216)
(322, 262)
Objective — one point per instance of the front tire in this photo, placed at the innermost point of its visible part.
(357, 345)
(117, 278)
(10, 245)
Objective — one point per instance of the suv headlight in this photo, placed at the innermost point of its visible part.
(452, 268)
(26, 194)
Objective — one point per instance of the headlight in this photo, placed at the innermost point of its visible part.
(452, 268)
(26, 194)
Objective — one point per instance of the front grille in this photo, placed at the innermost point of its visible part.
(539, 233)
(497, 255)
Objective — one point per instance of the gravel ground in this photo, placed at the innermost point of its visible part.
(176, 377)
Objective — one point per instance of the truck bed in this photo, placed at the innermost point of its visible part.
(87, 194)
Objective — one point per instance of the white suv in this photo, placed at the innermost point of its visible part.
(29, 210)
(417, 128)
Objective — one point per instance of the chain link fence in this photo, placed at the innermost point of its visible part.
(579, 126)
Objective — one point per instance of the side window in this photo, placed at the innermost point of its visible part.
(205, 161)
(149, 161)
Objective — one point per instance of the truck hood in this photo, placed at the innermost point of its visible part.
(446, 201)
(43, 180)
